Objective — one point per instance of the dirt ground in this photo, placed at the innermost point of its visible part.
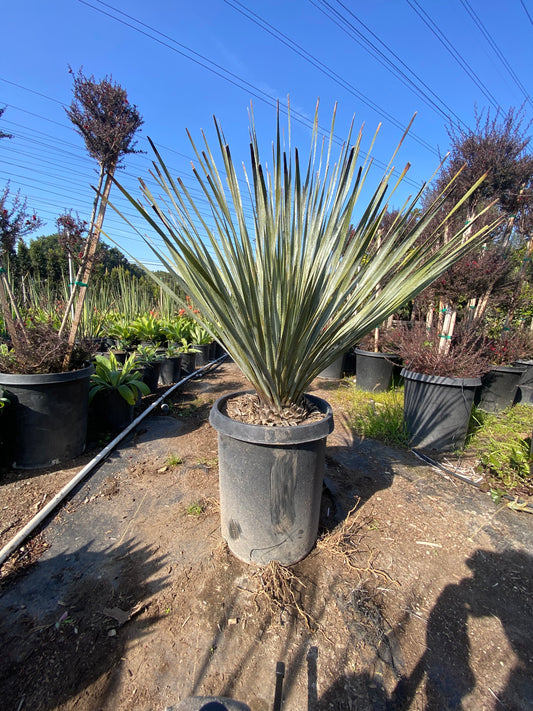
(418, 595)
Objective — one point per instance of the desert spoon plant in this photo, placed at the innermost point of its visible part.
(287, 290)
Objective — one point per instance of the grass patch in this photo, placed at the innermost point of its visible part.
(501, 442)
(174, 460)
(375, 415)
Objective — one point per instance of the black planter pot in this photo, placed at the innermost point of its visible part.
(188, 363)
(375, 371)
(47, 422)
(270, 485)
(437, 410)
(219, 350)
(525, 394)
(527, 375)
(335, 370)
(109, 412)
(349, 364)
(150, 374)
(203, 357)
(170, 370)
(499, 388)
(121, 356)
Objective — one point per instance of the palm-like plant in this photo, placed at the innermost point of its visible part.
(125, 379)
(288, 291)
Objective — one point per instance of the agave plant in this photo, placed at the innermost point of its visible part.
(287, 290)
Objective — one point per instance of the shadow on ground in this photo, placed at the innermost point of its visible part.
(59, 624)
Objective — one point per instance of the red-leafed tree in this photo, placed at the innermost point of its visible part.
(107, 122)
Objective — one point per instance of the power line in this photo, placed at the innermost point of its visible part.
(486, 34)
(423, 15)
(299, 50)
(362, 39)
(234, 79)
(526, 11)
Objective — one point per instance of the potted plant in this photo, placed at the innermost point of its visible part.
(287, 295)
(201, 341)
(170, 365)
(149, 361)
(499, 385)
(114, 390)
(440, 384)
(49, 406)
(377, 360)
(148, 330)
(124, 337)
(188, 356)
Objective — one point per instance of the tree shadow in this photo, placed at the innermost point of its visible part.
(61, 623)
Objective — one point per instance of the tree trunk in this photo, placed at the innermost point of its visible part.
(92, 242)
(79, 275)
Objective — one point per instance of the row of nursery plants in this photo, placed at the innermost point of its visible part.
(497, 452)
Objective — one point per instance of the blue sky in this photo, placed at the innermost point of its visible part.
(183, 62)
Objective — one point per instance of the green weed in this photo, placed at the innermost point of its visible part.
(195, 509)
(502, 443)
(174, 460)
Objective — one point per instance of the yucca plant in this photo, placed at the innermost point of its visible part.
(287, 290)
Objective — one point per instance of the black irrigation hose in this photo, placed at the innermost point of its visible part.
(20, 537)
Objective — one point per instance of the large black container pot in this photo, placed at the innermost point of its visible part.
(335, 370)
(499, 388)
(437, 410)
(47, 421)
(375, 371)
(109, 412)
(170, 370)
(527, 376)
(270, 485)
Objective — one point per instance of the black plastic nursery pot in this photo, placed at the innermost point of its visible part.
(150, 374)
(527, 376)
(499, 388)
(170, 370)
(334, 371)
(203, 357)
(109, 412)
(437, 410)
(270, 484)
(188, 363)
(47, 421)
(375, 370)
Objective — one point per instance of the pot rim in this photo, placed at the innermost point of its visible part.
(441, 379)
(45, 378)
(378, 354)
(275, 435)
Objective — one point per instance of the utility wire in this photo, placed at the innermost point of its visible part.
(423, 15)
(526, 11)
(330, 73)
(497, 51)
(362, 39)
(181, 49)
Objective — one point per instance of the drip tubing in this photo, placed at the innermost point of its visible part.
(58, 498)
